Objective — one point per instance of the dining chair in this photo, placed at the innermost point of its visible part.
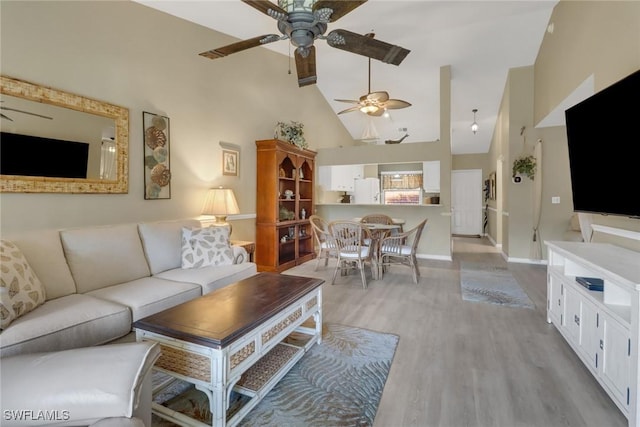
(377, 219)
(349, 238)
(324, 241)
(401, 249)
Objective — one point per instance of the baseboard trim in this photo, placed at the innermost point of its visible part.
(526, 261)
(434, 257)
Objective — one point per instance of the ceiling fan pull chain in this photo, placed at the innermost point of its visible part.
(369, 91)
(289, 58)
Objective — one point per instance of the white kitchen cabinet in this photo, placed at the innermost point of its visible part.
(340, 177)
(602, 327)
(431, 176)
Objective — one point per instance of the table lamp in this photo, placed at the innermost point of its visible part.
(220, 202)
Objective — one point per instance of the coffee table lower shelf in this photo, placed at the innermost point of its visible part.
(235, 360)
(253, 385)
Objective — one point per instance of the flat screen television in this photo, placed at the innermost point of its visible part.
(56, 158)
(603, 136)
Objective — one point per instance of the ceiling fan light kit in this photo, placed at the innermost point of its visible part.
(304, 21)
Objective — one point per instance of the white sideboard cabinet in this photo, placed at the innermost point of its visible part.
(602, 327)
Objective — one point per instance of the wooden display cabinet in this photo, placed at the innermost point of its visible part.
(285, 200)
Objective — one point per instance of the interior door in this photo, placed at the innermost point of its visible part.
(466, 202)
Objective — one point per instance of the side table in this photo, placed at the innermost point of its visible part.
(250, 247)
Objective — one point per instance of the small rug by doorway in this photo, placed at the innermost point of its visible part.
(337, 383)
(491, 284)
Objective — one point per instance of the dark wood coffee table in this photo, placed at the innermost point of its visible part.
(244, 337)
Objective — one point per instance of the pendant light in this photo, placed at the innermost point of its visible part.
(474, 125)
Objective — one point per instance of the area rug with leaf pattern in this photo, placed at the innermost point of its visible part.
(491, 284)
(336, 383)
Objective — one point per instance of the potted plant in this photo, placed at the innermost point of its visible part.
(524, 165)
(291, 132)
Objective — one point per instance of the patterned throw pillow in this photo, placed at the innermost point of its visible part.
(202, 247)
(20, 288)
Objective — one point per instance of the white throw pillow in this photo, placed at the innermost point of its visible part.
(20, 289)
(202, 247)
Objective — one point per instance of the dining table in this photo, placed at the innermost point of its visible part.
(377, 233)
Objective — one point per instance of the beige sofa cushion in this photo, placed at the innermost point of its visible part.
(212, 277)
(103, 256)
(43, 250)
(162, 242)
(67, 322)
(20, 288)
(148, 295)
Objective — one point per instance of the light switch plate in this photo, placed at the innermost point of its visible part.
(555, 200)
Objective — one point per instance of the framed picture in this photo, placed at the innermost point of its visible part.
(230, 159)
(157, 167)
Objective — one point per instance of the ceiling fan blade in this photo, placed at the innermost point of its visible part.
(264, 6)
(348, 110)
(367, 46)
(339, 7)
(395, 104)
(25, 112)
(223, 51)
(306, 67)
(380, 96)
(350, 101)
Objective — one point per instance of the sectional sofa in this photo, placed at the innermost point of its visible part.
(99, 280)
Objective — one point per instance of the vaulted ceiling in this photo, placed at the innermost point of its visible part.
(480, 40)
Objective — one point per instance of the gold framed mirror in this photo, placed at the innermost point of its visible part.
(106, 155)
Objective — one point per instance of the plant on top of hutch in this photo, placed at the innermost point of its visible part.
(285, 200)
(291, 132)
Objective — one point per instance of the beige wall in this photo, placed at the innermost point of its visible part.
(130, 55)
(436, 240)
(599, 38)
(133, 56)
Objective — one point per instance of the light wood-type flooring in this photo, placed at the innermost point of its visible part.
(462, 363)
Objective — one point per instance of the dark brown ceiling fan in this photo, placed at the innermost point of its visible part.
(374, 103)
(302, 22)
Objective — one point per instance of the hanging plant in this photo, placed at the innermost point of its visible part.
(525, 165)
(291, 132)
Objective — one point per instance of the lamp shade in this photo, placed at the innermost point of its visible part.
(220, 202)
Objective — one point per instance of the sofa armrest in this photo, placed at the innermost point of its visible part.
(240, 254)
(79, 386)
